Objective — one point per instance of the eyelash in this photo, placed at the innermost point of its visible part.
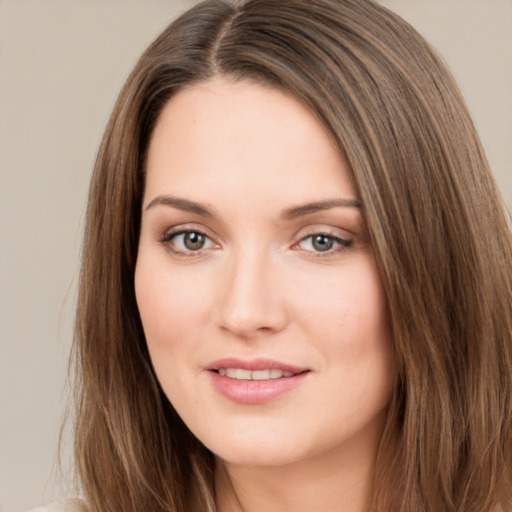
(342, 244)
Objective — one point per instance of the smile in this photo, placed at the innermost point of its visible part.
(243, 374)
(256, 381)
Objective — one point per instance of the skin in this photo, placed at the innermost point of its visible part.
(261, 287)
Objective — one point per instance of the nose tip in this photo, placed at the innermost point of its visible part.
(245, 326)
(252, 304)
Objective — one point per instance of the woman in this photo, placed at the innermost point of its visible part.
(296, 290)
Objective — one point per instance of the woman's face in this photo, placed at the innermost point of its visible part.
(261, 303)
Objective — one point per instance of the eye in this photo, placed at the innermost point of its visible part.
(187, 241)
(323, 242)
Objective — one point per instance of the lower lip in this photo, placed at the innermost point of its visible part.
(254, 392)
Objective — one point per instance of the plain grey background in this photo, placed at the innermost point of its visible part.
(62, 63)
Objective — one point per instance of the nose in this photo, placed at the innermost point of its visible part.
(252, 299)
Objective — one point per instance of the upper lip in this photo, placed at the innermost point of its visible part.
(254, 364)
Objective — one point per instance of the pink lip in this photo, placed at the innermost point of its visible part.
(254, 364)
(254, 392)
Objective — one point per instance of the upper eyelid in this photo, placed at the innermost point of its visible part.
(187, 228)
(335, 232)
(326, 234)
(342, 241)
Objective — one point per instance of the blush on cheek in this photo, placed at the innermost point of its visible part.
(151, 308)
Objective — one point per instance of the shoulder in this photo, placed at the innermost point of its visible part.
(74, 505)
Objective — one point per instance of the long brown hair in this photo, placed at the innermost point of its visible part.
(438, 227)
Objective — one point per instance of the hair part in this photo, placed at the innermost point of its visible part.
(439, 233)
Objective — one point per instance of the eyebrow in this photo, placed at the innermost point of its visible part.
(288, 214)
(309, 208)
(181, 204)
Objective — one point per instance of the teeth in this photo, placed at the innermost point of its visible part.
(260, 375)
(241, 374)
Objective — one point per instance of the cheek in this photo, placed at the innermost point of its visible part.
(168, 309)
(156, 306)
(170, 303)
(350, 322)
(351, 307)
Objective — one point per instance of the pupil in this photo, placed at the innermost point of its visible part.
(322, 243)
(194, 241)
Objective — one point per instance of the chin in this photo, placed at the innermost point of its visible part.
(255, 452)
(257, 459)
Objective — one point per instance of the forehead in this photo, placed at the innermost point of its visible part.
(224, 137)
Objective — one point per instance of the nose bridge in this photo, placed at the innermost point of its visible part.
(252, 299)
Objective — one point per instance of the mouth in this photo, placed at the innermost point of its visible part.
(255, 369)
(256, 381)
(243, 374)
